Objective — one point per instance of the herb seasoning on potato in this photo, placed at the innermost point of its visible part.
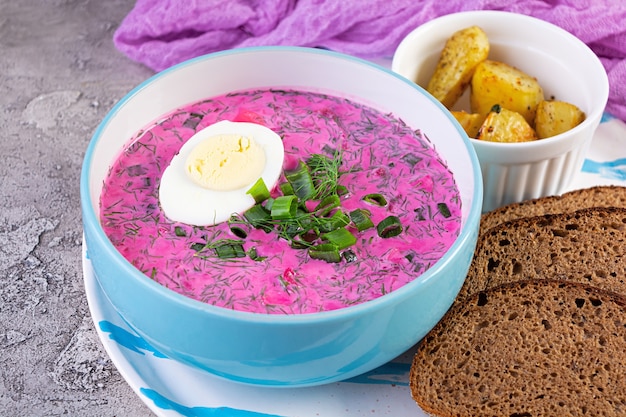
(506, 104)
(463, 51)
(554, 117)
(499, 83)
(503, 125)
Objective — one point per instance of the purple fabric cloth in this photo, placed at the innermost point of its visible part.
(161, 33)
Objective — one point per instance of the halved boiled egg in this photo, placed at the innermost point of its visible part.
(207, 181)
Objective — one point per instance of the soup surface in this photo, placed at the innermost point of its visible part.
(379, 155)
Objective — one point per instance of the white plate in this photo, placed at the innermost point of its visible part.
(170, 388)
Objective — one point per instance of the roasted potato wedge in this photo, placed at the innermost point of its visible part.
(495, 82)
(470, 122)
(554, 117)
(463, 51)
(504, 125)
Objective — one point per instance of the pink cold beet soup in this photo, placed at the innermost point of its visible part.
(379, 156)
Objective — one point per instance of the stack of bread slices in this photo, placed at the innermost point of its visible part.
(539, 327)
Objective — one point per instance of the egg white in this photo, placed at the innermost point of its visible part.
(182, 200)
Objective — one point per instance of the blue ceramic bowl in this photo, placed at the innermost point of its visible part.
(280, 350)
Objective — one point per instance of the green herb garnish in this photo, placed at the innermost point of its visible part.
(230, 250)
(389, 227)
(444, 210)
(361, 219)
(325, 174)
(301, 182)
(237, 230)
(341, 237)
(326, 251)
(376, 199)
(220, 248)
(259, 191)
(259, 217)
(308, 214)
(284, 207)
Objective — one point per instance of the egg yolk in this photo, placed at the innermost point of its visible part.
(225, 162)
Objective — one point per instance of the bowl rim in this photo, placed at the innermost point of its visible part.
(470, 16)
(92, 224)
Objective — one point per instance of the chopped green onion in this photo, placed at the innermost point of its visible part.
(341, 237)
(230, 250)
(304, 240)
(376, 199)
(299, 243)
(179, 231)
(292, 230)
(444, 210)
(268, 204)
(340, 219)
(361, 219)
(337, 220)
(252, 254)
(326, 251)
(238, 231)
(258, 217)
(259, 191)
(286, 188)
(305, 221)
(197, 247)
(301, 182)
(327, 204)
(389, 227)
(348, 255)
(284, 207)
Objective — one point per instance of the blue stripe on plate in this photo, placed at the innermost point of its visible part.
(127, 339)
(613, 170)
(166, 404)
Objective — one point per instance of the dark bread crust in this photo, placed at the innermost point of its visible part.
(587, 245)
(598, 196)
(531, 348)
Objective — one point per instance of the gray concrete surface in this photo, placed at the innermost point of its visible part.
(59, 75)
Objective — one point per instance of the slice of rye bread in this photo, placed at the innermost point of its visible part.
(599, 196)
(587, 245)
(530, 348)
